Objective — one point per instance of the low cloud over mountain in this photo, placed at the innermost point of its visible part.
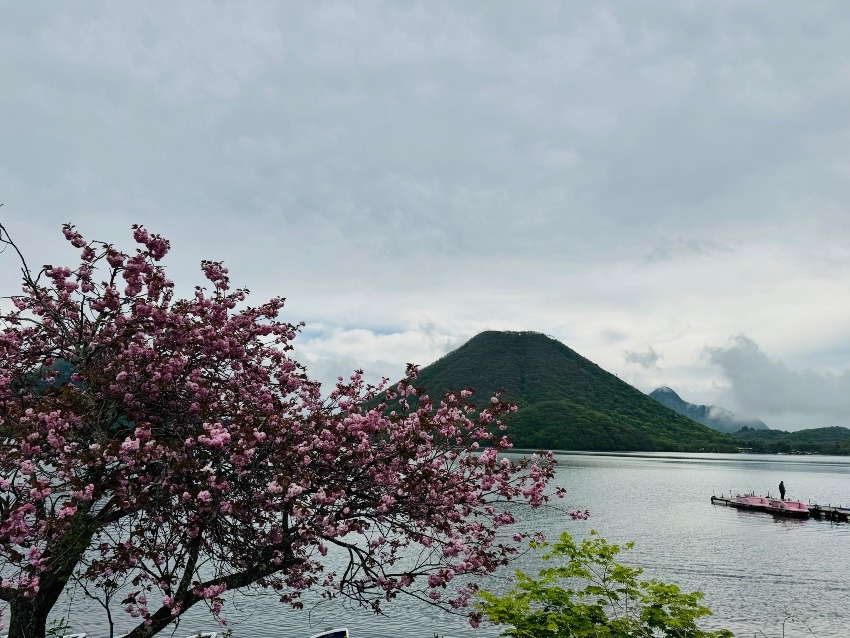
(712, 416)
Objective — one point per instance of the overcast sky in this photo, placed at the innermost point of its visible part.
(661, 186)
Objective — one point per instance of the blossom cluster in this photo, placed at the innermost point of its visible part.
(174, 450)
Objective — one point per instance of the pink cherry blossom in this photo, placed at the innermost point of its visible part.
(145, 436)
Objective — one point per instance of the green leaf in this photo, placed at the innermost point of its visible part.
(588, 594)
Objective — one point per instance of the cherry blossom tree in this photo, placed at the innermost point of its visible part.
(162, 452)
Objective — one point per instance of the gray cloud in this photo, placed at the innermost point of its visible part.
(671, 249)
(646, 359)
(439, 342)
(478, 164)
(764, 385)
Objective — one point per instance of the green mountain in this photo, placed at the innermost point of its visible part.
(831, 440)
(566, 402)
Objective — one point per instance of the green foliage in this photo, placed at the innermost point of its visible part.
(58, 628)
(588, 594)
(830, 440)
(566, 402)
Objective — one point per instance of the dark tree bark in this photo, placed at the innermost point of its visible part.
(28, 614)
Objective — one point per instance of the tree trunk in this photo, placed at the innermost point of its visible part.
(29, 616)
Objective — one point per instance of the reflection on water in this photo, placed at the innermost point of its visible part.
(756, 570)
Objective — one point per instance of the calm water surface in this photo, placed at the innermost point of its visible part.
(756, 570)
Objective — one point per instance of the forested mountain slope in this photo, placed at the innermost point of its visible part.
(566, 401)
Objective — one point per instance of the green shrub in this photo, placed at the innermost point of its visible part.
(588, 594)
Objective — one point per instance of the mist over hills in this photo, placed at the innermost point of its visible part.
(754, 434)
(566, 402)
(715, 417)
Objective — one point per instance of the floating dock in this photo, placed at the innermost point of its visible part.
(825, 512)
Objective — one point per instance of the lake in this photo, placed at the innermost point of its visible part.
(755, 569)
(757, 572)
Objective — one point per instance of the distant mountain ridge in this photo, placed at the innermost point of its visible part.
(566, 402)
(712, 416)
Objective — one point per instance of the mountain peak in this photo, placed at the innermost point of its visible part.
(713, 416)
(665, 390)
(565, 400)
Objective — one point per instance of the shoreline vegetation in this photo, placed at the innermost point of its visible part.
(584, 591)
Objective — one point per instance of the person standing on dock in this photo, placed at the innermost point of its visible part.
(781, 490)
